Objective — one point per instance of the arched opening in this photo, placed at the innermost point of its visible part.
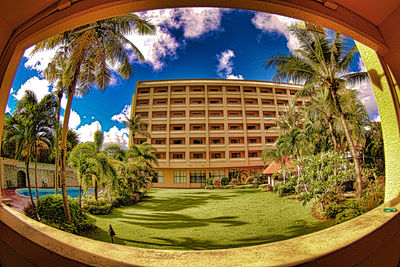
(49, 22)
(21, 179)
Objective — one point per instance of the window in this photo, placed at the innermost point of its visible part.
(249, 89)
(178, 155)
(216, 155)
(158, 141)
(233, 101)
(282, 102)
(280, 91)
(252, 140)
(216, 127)
(266, 90)
(233, 173)
(197, 155)
(233, 89)
(217, 173)
(142, 114)
(234, 114)
(292, 92)
(268, 115)
(161, 90)
(235, 127)
(197, 176)
(177, 114)
(140, 141)
(159, 101)
(197, 89)
(215, 101)
(235, 140)
(250, 101)
(269, 139)
(267, 102)
(253, 126)
(267, 126)
(159, 114)
(178, 89)
(252, 114)
(236, 155)
(178, 141)
(160, 177)
(197, 127)
(216, 140)
(197, 141)
(180, 177)
(177, 127)
(159, 127)
(215, 114)
(253, 154)
(178, 101)
(197, 101)
(214, 88)
(197, 114)
(142, 102)
(144, 90)
(159, 155)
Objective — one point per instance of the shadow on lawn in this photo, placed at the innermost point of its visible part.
(178, 202)
(176, 221)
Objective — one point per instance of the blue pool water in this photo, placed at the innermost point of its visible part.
(71, 191)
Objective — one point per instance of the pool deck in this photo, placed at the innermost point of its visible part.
(18, 202)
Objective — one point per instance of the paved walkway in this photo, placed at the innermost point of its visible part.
(18, 202)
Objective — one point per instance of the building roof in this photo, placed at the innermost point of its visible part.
(276, 166)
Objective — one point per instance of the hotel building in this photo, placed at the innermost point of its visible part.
(208, 128)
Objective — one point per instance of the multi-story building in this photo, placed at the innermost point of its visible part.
(208, 128)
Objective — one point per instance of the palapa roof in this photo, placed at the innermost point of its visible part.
(276, 166)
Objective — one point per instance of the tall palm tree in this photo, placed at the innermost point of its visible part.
(89, 51)
(321, 63)
(136, 126)
(38, 117)
(143, 152)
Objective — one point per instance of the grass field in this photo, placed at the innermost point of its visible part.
(196, 219)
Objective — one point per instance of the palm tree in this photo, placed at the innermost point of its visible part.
(321, 63)
(89, 50)
(38, 117)
(79, 160)
(136, 126)
(143, 152)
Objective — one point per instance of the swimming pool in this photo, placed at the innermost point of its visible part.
(71, 191)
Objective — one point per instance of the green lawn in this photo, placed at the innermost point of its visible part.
(194, 219)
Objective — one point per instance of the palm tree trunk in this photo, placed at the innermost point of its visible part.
(80, 192)
(350, 141)
(95, 189)
(64, 153)
(57, 137)
(36, 183)
(332, 134)
(29, 181)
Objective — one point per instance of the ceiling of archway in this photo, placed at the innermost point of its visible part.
(16, 12)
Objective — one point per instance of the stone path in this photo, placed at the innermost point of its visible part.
(18, 202)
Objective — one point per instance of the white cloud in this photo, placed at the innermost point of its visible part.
(63, 101)
(360, 64)
(377, 118)
(116, 136)
(194, 22)
(367, 97)
(236, 77)
(8, 109)
(225, 65)
(276, 24)
(74, 120)
(126, 111)
(38, 86)
(39, 60)
(86, 132)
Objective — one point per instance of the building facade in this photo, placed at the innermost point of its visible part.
(209, 128)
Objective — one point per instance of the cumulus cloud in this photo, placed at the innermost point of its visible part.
(8, 109)
(74, 120)
(225, 65)
(38, 86)
(271, 23)
(86, 132)
(39, 60)
(117, 136)
(126, 111)
(194, 22)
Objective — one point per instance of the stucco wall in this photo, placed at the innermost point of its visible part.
(45, 172)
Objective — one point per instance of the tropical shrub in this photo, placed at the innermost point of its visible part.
(225, 180)
(217, 182)
(51, 212)
(30, 211)
(101, 207)
(127, 199)
(234, 181)
(209, 181)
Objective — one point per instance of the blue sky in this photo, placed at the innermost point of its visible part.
(190, 43)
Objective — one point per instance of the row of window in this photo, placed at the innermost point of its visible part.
(197, 176)
(213, 101)
(202, 140)
(212, 127)
(211, 113)
(213, 155)
(213, 88)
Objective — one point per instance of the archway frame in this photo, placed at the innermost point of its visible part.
(369, 227)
